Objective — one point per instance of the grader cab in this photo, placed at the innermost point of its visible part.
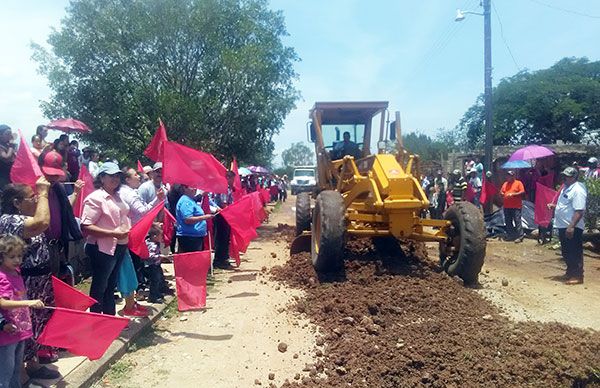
(376, 195)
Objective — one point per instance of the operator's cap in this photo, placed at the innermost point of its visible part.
(570, 172)
(593, 160)
(147, 169)
(157, 166)
(511, 172)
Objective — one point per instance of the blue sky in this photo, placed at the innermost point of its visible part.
(410, 53)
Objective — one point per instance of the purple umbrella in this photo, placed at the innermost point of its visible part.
(530, 152)
(258, 170)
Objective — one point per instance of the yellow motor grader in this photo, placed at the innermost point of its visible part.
(376, 195)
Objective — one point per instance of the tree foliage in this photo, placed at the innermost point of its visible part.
(215, 71)
(544, 106)
(423, 145)
(299, 154)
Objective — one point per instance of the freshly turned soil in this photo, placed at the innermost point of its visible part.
(400, 321)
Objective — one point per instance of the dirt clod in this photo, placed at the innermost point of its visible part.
(282, 347)
(271, 376)
(505, 282)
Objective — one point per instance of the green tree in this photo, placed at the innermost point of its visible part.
(423, 145)
(215, 71)
(544, 106)
(299, 154)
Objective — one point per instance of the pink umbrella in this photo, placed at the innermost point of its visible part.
(530, 152)
(69, 126)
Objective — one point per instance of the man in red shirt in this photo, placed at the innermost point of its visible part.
(513, 191)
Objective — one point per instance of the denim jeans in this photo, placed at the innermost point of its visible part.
(514, 227)
(105, 271)
(572, 252)
(11, 364)
(155, 276)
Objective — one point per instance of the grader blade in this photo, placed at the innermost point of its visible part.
(301, 243)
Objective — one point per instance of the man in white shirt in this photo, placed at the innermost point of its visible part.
(147, 190)
(568, 219)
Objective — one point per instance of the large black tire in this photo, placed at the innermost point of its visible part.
(328, 229)
(303, 216)
(463, 254)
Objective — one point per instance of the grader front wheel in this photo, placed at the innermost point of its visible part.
(328, 228)
(464, 251)
(303, 215)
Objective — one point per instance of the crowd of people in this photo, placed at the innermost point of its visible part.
(568, 204)
(38, 224)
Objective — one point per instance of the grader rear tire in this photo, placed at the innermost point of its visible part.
(464, 252)
(303, 216)
(328, 228)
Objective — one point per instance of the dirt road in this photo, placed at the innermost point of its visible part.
(388, 329)
(234, 342)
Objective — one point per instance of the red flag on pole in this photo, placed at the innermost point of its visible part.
(190, 279)
(88, 188)
(155, 149)
(265, 195)
(82, 333)
(140, 168)
(543, 196)
(237, 182)
(488, 190)
(138, 233)
(209, 223)
(25, 168)
(469, 193)
(193, 168)
(69, 297)
(242, 221)
(257, 207)
(168, 227)
(547, 180)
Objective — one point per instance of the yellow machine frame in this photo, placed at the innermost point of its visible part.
(380, 192)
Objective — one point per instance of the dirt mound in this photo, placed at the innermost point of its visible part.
(400, 322)
(286, 232)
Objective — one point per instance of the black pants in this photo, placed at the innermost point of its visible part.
(190, 244)
(156, 279)
(282, 195)
(441, 206)
(222, 233)
(514, 227)
(105, 269)
(572, 252)
(138, 266)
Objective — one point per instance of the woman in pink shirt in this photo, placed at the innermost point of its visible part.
(106, 224)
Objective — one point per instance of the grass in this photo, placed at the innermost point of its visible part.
(119, 370)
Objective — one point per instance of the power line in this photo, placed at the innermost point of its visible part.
(578, 13)
(503, 38)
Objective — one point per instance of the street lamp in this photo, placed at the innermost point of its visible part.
(487, 49)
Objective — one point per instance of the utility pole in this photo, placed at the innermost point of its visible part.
(487, 34)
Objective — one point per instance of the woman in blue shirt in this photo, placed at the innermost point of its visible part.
(191, 222)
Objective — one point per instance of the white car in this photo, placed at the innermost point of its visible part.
(304, 180)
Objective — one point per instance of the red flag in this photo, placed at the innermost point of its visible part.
(155, 149)
(543, 196)
(242, 221)
(265, 195)
(257, 207)
(69, 297)
(82, 333)
(88, 188)
(237, 182)
(193, 168)
(547, 180)
(488, 190)
(190, 279)
(469, 193)
(140, 168)
(138, 233)
(168, 227)
(25, 168)
(209, 223)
